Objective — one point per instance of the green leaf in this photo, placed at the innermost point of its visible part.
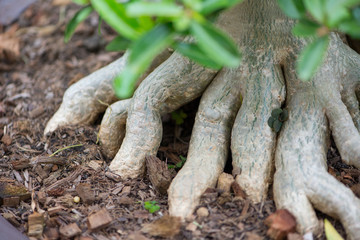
(305, 28)
(336, 14)
(350, 27)
(316, 8)
(159, 9)
(81, 2)
(284, 116)
(330, 232)
(196, 54)
(115, 15)
(142, 52)
(210, 6)
(151, 206)
(276, 112)
(292, 8)
(124, 84)
(277, 126)
(216, 44)
(118, 44)
(271, 121)
(311, 58)
(80, 16)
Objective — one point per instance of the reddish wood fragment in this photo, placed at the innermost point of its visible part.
(36, 224)
(11, 201)
(20, 164)
(238, 190)
(113, 176)
(36, 112)
(99, 220)
(280, 224)
(70, 230)
(56, 192)
(125, 191)
(85, 193)
(159, 174)
(41, 195)
(166, 227)
(125, 200)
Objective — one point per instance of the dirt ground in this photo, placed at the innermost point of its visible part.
(35, 71)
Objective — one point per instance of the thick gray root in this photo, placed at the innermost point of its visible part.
(253, 142)
(112, 130)
(87, 98)
(167, 88)
(209, 144)
(303, 143)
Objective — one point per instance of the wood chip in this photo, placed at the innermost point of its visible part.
(85, 193)
(11, 193)
(238, 190)
(166, 227)
(6, 139)
(70, 230)
(159, 173)
(113, 176)
(54, 210)
(99, 220)
(36, 224)
(51, 233)
(96, 165)
(280, 224)
(224, 182)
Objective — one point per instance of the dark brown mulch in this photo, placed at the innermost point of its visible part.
(32, 84)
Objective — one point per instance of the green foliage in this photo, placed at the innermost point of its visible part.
(324, 16)
(179, 116)
(277, 118)
(148, 27)
(80, 16)
(179, 164)
(151, 206)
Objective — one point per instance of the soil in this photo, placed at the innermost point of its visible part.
(32, 83)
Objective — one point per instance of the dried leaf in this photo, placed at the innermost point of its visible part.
(166, 227)
(280, 224)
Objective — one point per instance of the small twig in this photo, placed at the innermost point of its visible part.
(27, 149)
(68, 179)
(61, 149)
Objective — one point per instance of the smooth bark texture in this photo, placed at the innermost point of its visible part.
(265, 80)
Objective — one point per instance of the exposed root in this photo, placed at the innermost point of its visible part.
(209, 144)
(112, 130)
(83, 101)
(164, 90)
(253, 142)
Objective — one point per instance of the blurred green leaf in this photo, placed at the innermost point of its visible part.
(196, 54)
(330, 231)
(159, 9)
(118, 44)
(305, 28)
(356, 14)
(179, 116)
(284, 115)
(292, 8)
(115, 15)
(151, 206)
(351, 28)
(81, 2)
(316, 8)
(276, 112)
(217, 45)
(311, 57)
(271, 121)
(210, 6)
(277, 125)
(80, 16)
(142, 52)
(336, 14)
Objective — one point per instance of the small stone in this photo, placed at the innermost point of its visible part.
(224, 182)
(202, 212)
(99, 220)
